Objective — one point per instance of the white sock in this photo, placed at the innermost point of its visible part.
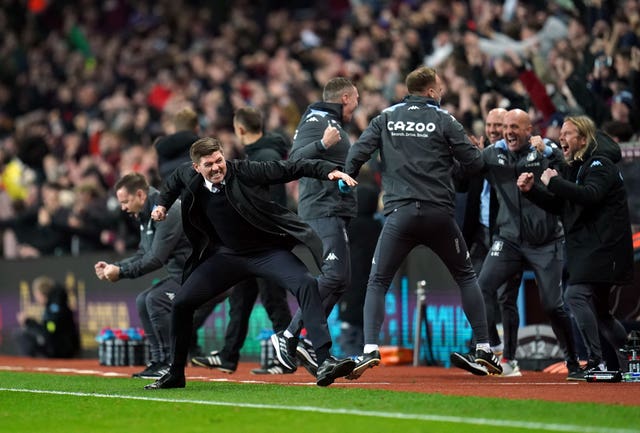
(368, 348)
(483, 346)
(288, 334)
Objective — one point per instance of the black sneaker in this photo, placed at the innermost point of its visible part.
(274, 368)
(215, 361)
(307, 356)
(573, 368)
(489, 360)
(580, 375)
(285, 349)
(155, 370)
(363, 362)
(467, 362)
(333, 368)
(168, 381)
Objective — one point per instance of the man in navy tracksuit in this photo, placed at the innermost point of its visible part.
(419, 145)
(161, 245)
(525, 234)
(321, 205)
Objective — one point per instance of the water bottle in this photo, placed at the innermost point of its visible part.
(109, 358)
(266, 348)
(631, 376)
(120, 351)
(343, 187)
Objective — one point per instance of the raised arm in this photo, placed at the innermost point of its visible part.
(306, 144)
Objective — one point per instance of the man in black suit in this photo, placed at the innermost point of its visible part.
(237, 231)
(258, 146)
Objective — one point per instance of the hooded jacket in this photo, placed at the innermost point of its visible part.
(320, 197)
(247, 189)
(591, 198)
(173, 150)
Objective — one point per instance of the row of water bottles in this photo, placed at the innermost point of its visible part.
(632, 351)
(121, 347)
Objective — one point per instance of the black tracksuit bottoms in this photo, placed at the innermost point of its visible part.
(335, 276)
(406, 227)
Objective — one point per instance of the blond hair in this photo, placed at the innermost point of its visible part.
(587, 129)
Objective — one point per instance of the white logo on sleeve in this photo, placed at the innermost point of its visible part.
(331, 257)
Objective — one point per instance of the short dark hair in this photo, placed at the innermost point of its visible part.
(185, 120)
(250, 118)
(132, 182)
(204, 147)
(335, 88)
(420, 79)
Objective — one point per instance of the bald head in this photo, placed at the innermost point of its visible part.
(493, 124)
(516, 129)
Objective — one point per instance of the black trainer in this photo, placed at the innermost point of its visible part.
(489, 360)
(573, 368)
(168, 381)
(333, 368)
(363, 362)
(285, 349)
(307, 356)
(155, 370)
(215, 360)
(467, 362)
(580, 374)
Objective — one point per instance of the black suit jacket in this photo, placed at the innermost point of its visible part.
(247, 189)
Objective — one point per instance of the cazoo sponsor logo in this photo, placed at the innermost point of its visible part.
(416, 129)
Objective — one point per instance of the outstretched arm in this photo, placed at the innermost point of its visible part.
(305, 141)
(171, 189)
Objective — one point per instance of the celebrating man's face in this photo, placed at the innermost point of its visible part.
(212, 167)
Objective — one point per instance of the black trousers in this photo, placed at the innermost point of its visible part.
(507, 259)
(336, 265)
(405, 228)
(506, 298)
(226, 268)
(589, 304)
(241, 302)
(154, 310)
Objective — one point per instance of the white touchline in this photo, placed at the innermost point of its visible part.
(338, 411)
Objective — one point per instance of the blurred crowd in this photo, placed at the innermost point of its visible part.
(88, 87)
